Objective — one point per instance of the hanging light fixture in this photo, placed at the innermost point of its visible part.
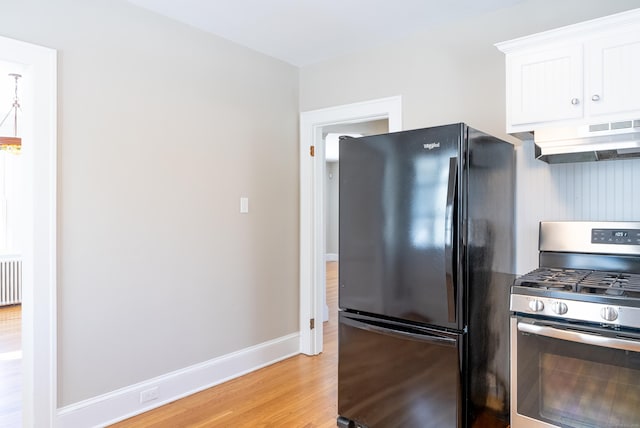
(12, 143)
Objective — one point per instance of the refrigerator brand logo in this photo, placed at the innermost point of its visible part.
(431, 146)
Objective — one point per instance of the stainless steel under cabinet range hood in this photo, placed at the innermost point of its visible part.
(597, 142)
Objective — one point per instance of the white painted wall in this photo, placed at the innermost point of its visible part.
(580, 191)
(161, 129)
(455, 74)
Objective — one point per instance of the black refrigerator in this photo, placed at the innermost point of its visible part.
(425, 265)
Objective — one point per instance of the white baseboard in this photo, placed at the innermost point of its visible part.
(125, 402)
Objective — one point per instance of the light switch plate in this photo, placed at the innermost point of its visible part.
(244, 205)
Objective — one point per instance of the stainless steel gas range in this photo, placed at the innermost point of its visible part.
(575, 329)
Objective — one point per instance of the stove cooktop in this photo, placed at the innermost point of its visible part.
(582, 281)
(595, 278)
(605, 298)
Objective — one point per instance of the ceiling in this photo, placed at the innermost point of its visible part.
(302, 32)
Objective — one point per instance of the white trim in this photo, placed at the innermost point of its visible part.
(125, 402)
(312, 270)
(39, 378)
(574, 33)
(331, 257)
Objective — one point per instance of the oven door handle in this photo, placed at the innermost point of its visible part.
(579, 337)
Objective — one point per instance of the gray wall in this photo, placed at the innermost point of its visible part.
(161, 129)
(454, 74)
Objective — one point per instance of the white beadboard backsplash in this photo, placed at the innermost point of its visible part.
(602, 191)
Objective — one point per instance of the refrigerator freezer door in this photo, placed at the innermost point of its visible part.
(395, 375)
(398, 225)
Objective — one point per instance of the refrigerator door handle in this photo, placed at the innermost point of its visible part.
(449, 238)
(419, 335)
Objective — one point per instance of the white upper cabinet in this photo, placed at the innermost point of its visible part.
(613, 84)
(546, 85)
(582, 74)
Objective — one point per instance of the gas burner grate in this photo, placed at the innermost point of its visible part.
(553, 278)
(582, 281)
(612, 283)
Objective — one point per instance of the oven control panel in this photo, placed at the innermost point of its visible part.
(592, 312)
(615, 236)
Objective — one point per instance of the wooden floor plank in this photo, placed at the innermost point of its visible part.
(299, 392)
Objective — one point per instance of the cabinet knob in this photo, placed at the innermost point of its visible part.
(595, 97)
(575, 101)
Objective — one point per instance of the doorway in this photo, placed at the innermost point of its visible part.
(312, 209)
(11, 189)
(37, 228)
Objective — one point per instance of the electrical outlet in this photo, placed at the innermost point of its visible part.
(149, 394)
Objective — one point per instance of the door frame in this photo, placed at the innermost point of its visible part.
(312, 171)
(38, 229)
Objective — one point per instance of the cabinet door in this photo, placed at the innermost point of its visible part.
(545, 86)
(613, 74)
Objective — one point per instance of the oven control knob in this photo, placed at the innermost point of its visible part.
(559, 308)
(536, 305)
(608, 313)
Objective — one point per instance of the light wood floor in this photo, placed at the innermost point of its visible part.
(300, 392)
(10, 366)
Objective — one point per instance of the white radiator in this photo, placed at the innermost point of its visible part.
(10, 280)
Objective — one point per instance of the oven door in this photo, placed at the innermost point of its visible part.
(573, 376)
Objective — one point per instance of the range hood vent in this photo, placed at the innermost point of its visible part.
(597, 142)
